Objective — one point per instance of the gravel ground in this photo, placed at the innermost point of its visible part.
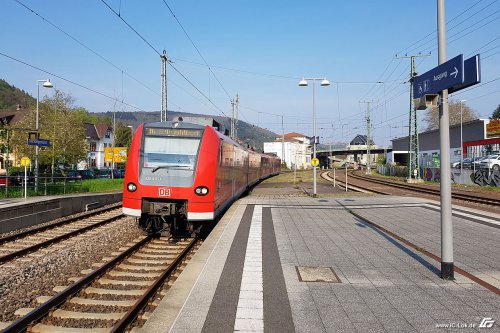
(21, 284)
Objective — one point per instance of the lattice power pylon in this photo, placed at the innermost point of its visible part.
(163, 114)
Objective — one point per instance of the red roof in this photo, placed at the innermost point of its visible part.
(291, 136)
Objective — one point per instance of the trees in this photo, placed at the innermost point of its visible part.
(123, 135)
(61, 124)
(496, 113)
(432, 115)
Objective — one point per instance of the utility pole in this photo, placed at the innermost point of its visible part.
(368, 137)
(447, 266)
(413, 146)
(237, 111)
(232, 120)
(113, 144)
(163, 115)
(282, 142)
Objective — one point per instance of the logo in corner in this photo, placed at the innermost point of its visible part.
(487, 323)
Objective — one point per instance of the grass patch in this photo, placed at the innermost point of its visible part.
(102, 185)
(302, 176)
(61, 188)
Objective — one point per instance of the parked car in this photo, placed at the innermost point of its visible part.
(106, 173)
(476, 162)
(17, 178)
(457, 164)
(85, 174)
(103, 173)
(4, 181)
(80, 174)
(491, 162)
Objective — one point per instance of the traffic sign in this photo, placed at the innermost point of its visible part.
(25, 161)
(116, 154)
(39, 142)
(472, 74)
(315, 162)
(444, 76)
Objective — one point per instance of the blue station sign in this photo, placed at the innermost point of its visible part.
(444, 76)
(472, 74)
(39, 142)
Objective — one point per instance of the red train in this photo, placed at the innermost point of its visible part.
(182, 175)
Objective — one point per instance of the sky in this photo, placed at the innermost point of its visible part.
(106, 54)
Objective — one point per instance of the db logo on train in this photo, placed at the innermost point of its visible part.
(164, 192)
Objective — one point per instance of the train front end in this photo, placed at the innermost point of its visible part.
(168, 184)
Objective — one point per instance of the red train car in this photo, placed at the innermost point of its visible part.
(182, 175)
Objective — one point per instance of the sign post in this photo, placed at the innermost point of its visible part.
(446, 75)
(25, 161)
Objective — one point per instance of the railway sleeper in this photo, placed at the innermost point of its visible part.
(43, 328)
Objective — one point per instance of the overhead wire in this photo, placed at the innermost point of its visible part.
(69, 81)
(157, 52)
(85, 46)
(449, 29)
(196, 48)
(453, 19)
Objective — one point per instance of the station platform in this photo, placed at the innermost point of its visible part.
(282, 261)
(17, 213)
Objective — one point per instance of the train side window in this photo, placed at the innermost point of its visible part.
(220, 153)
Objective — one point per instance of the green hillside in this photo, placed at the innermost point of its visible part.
(10, 96)
(254, 135)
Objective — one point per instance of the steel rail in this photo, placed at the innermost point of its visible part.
(459, 196)
(133, 312)
(57, 224)
(43, 310)
(57, 239)
(326, 175)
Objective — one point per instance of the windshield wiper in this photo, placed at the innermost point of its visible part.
(170, 167)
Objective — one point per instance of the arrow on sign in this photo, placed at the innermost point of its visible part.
(455, 73)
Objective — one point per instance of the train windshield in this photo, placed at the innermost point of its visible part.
(170, 153)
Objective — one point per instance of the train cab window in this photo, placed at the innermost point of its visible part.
(170, 152)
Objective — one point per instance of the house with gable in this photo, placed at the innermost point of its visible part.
(98, 137)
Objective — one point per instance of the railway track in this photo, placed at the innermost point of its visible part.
(30, 241)
(326, 175)
(110, 297)
(456, 194)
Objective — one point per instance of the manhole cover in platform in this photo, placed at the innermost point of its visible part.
(323, 200)
(317, 274)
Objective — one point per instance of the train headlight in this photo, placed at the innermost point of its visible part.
(201, 190)
(131, 187)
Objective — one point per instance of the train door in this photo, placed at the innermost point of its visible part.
(219, 181)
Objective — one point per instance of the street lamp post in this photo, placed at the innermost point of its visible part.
(46, 84)
(324, 83)
(461, 138)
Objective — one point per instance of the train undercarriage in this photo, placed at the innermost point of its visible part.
(169, 216)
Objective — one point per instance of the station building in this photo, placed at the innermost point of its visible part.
(480, 137)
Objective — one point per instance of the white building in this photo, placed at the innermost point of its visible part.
(98, 136)
(297, 150)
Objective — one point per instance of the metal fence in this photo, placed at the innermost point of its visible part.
(14, 186)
